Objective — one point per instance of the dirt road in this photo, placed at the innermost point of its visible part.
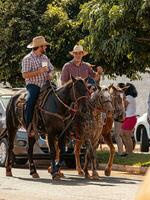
(120, 186)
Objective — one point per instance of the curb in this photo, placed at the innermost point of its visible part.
(126, 168)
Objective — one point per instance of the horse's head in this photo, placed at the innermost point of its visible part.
(101, 100)
(118, 102)
(79, 94)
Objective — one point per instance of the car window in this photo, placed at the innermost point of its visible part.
(5, 100)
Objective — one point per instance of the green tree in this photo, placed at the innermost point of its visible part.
(63, 30)
(19, 22)
(119, 35)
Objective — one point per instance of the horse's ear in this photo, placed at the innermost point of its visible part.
(110, 86)
(98, 87)
(72, 78)
(125, 88)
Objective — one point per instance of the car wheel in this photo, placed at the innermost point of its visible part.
(144, 140)
(3, 151)
(21, 161)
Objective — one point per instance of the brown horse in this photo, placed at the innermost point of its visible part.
(57, 107)
(99, 129)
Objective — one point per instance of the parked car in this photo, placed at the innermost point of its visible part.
(142, 133)
(41, 150)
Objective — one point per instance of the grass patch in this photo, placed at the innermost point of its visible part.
(136, 159)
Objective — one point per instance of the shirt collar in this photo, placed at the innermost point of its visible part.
(72, 61)
(32, 52)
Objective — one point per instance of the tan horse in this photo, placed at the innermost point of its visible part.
(99, 129)
(119, 114)
(100, 106)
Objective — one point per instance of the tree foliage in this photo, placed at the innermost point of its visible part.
(115, 32)
(119, 35)
(61, 27)
(19, 22)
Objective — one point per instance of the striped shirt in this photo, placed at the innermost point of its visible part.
(83, 71)
(31, 62)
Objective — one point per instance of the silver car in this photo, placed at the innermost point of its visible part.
(21, 140)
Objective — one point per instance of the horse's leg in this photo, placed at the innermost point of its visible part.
(54, 169)
(95, 174)
(77, 149)
(109, 142)
(85, 168)
(9, 161)
(57, 156)
(31, 142)
(61, 150)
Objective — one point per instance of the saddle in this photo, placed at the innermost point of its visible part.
(21, 103)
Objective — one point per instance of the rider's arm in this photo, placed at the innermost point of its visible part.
(34, 73)
(65, 76)
(96, 75)
(27, 69)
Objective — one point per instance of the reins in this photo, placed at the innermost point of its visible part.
(64, 104)
(102, 106)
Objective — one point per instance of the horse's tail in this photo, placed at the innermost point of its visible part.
(11, 117)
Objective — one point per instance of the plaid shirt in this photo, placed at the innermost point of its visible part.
(83, 71)
(32, 62)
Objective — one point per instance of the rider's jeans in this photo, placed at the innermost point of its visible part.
(33, 93)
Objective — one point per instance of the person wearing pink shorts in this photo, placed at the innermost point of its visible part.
(130, 119)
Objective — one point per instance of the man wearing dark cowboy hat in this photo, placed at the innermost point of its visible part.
(36, 70)
(77, 68)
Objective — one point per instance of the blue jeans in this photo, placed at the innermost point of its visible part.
(33, 93)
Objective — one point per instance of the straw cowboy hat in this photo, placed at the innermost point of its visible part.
(37, 42)
(78, 48)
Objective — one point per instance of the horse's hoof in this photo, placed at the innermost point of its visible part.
(35, 175)
(49, 169)
(81, 173)
(61, 175)
(95, 176)
(87, 176)
(107, 172)
(56, 176)
(9, 174)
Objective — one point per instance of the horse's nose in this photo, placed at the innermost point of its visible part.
(110, 108)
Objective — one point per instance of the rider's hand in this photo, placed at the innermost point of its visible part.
(44, 69)
(99, 70)
(50, 76)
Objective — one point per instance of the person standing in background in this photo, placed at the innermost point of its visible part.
(130, 119)
(117, 129)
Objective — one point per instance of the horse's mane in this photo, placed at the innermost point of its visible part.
(68, 83)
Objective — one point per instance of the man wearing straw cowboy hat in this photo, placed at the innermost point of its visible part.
(77, 68)
(36, 70)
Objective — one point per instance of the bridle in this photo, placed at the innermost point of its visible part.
(74, 107)
(100, 108)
